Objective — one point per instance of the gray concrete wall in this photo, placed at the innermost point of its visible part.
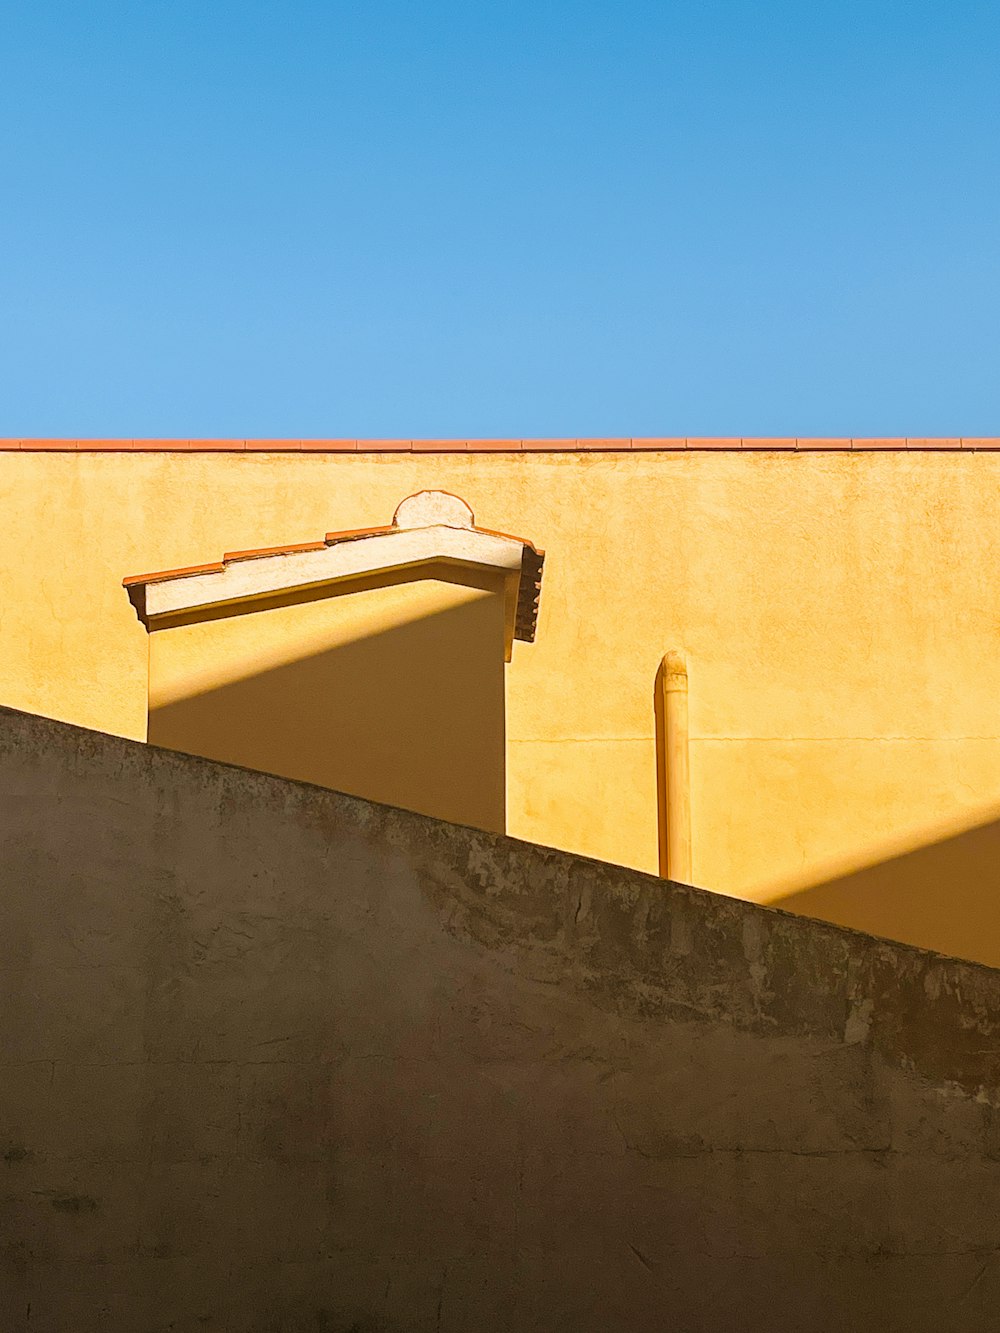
(279, 1059)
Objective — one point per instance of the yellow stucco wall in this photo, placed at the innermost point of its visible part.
(391, 688)
(839, 614)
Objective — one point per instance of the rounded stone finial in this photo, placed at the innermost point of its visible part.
(427, 508)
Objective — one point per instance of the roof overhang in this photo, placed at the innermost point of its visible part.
(243, 577)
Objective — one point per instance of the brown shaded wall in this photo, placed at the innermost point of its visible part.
(279, 1059)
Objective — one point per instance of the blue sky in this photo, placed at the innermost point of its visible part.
(536, 217)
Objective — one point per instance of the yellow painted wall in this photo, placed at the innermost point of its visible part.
(839, 614)
(391, 690)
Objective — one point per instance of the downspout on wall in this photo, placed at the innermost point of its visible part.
(673, 777)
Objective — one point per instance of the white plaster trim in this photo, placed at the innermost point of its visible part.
(247, 579)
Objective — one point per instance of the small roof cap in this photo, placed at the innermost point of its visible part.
(427, 526)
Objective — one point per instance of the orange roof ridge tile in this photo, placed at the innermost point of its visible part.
(652, 444)
(188, 571)
(353, 534)
(232, 556)
(509, 536)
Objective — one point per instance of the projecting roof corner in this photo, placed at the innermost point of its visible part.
(431, 526)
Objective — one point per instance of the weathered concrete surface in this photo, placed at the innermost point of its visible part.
(276, 1059)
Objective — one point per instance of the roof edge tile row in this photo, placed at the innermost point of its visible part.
(331, 539)
(801, 444)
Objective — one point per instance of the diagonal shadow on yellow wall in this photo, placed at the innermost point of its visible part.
(412, 715)
(944, 896)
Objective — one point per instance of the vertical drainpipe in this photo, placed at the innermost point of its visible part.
(673, 775)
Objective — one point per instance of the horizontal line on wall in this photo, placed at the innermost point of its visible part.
(776, 740)
(581, 740)
(841, 739)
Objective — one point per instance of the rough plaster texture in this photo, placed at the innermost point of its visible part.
(277, 1059)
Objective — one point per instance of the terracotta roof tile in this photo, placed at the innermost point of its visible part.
(188, 571)
(352, 534)
(259, 553)
(232, 556)
(610, 445)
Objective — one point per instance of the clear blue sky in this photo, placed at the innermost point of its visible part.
(530, 217)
